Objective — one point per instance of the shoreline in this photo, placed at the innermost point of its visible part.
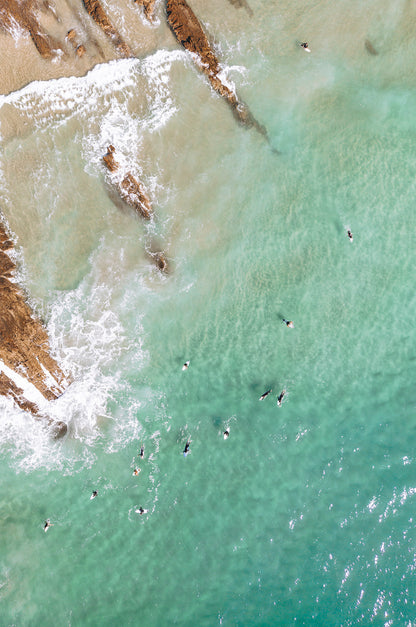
(75, 42)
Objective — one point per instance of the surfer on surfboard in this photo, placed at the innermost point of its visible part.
(263, 396)
(280, 398)
(47, 525)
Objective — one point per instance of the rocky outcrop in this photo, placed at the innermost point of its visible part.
(109, 159)
(189, 33)
(96, 11)
(129, 188)
(148, 6)
(24, 14)
(72, 38)
(28, 373)
(134, 194)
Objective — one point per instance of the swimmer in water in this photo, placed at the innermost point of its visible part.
(186, 450)
(226, 433)
(305, 46)
(47, 525)
(280, 398)
(141, 511)
(349, 235)
(136, 471)
(93, 495)
(186, 365)
(141, 454)
(263, 396)
(288, 323)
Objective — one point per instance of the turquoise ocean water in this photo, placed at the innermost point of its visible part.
(304, 515)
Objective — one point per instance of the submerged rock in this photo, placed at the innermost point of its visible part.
(370, 48)
(242, 4)
(96, 11)
(28, 373)
(190, 35)
(160, 261)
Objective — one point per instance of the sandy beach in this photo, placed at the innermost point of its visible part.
(76, 53)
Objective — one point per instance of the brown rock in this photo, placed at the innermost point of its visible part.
(160, 261)
(109, 159)
(148, 6)
(71, 35)
(80, 50)
(189, 33)
(97, 13)
(130, 190)
(133, 193)
(24, 13)
(24, 344)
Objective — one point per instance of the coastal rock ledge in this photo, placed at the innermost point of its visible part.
(190, 34)
(28, 373)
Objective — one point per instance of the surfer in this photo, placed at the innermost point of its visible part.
(280, 398)
(226, 433)
(288, 323)
(186, 450)
(305, 46)
(186, 365)
(141, 511)
(93, 495)
(136, 471)
(263, 396)
(141, 454)
(47, 525)
(349, 235)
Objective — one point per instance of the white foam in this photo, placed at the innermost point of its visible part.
(50, 380)
(30, 392)
(87, 334)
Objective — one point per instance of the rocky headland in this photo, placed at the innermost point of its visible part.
(28, 373)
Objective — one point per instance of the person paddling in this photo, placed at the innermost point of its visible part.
(263, 396)
(47, 525)
(280, 398)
